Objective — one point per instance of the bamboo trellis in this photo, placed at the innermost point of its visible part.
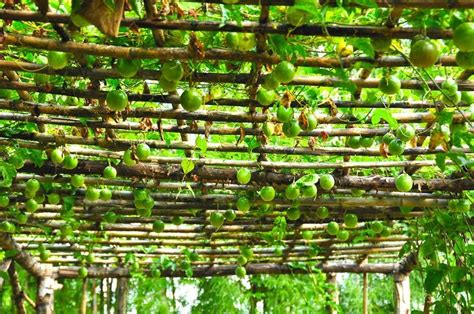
(225, 122)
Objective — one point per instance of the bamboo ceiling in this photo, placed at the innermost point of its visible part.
(88, 130)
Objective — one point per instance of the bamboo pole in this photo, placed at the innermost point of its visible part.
(145, 263)
(336, 247)
(154, 75)
(184, 54)
(83, 306)
(94, 272)
(229, 175)
(117, 146)
(332, 30)
(365, 294)
(130, 126)
(129, 244)
(173, 99)
(202, 115)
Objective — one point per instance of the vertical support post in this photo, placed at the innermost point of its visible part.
(365, 300)
(402, 293)
(102, 296)
(94, 296)
(332, 280)
(109, 294)
(122, 295)
(45, 294)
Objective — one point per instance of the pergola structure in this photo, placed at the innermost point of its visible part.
(98, 137)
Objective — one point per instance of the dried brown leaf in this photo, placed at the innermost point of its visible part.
(383, 149)
(312, 142)
(241, 136)
(146, 124)
(287, 99)
(303, 120)
(196, 47)
(207, 129)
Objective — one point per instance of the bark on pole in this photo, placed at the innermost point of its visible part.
(122, 295)
(45, 294)
(402, 293)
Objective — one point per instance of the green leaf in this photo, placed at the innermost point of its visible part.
(385, 114)
(444, 219)
(426, 249)
(4, 275)
(432, 280)
(441, 161)
(252, 143)
(364, 44)
(308, 180)
(11, 253)
(187, 166)
(136, 6)
(445, 117)
(68, 203)
(7, 174)
(201, 143)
